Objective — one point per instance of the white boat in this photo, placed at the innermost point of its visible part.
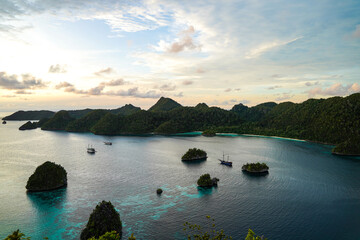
(108, 143)
(90, 149)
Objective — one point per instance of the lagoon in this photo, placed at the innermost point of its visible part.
(308, 193)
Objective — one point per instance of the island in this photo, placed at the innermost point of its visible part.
(159, 191)
(48, 176)
(209, 133)
(194, 154)
(103, 219)
(4, 122)
(28, 126)
(206, 181)
(255, 168)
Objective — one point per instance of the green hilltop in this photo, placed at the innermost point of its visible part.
(333, 121)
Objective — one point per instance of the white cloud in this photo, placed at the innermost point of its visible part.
(337, 89)
(264, 47)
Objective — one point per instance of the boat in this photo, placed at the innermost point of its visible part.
(90, 149)
(4, 122)
(108, 143)
(224, 162)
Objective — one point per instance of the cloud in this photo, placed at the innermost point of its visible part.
(237, 89)
(356, 33)
(313, 83)
(337, 89)
(22, 92)
(274, 87)
(180, 94)
(227, 90)
(257, 51)
(106, 71)
(167, 87)
(115, 82)
(12, 82)
(57, 68)
(99, 90)
(284, 96)
(200, 70)
(187, 82)
(185, 42)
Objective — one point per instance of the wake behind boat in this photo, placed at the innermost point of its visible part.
(224, 162)
(90, 149)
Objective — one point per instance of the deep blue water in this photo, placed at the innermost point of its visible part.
(308, 194)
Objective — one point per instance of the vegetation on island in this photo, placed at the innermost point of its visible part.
(103, 219)
(30, 115)
(209, 133)
(47, 176)
(28, 126)
(194, 154)
(159, 191)
(334, 120)
(164, 104)
(58, 122)
(255, 167)
(206, 181)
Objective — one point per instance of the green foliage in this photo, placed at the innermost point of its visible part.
(103, 219)
(196, 232)
(209, 133)
(85, 123)
(132, 237)
(159, 191)
(58, 122)
(205, 181)
(47, 176)
(113, 235)
(252, 236)
(255, 167)
(164, 104)
(17, 235)
(28, 125)
(349, 147)
(194, 154)
(29, 115)
(126, 110)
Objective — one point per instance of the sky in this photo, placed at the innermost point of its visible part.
(75, 54)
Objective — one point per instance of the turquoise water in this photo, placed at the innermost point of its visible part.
(309, 193)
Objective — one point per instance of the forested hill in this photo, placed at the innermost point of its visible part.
(334, 120)
(29, 115)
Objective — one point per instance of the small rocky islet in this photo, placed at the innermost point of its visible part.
(48, 176)
(102, 220)
(194, 154)
(206, 181)
(255, 168)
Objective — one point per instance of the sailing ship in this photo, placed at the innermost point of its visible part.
(224, 162)
(90, 149)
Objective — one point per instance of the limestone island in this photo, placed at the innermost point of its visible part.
(48, 176)
(206, 181)
(103, 219)
(255, 168)
(209, 133)
(159, 191)
(28, 126)
(194, 154)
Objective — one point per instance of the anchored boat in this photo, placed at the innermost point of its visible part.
(90, 149)
(224, 162)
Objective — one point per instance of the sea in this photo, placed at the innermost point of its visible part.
(308, 194)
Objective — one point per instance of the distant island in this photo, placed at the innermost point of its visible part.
(48, 176)
(332, 121)
(256, 168)
(194, 154)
